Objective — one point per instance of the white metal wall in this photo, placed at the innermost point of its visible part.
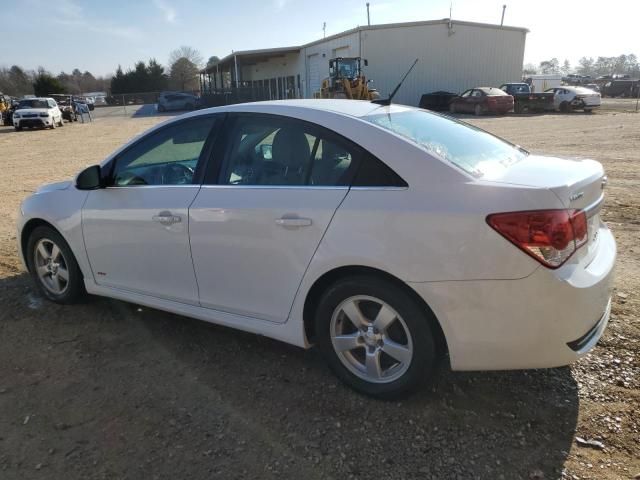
(453, 60)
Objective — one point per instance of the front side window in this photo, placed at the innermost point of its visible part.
(268, 150)
(473, 150)
(166, 157)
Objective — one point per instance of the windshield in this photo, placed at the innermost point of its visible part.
(469, 148)
(347, 68)
(32, 103)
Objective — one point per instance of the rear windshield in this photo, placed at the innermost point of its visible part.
(33, 104)
(493, 91)
(469, 148)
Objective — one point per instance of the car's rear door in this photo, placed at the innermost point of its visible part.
(262, 212)
(136, 230)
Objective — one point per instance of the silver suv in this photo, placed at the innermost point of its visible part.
(177, 101)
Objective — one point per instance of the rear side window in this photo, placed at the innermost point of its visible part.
(272, 150)
(374, 173)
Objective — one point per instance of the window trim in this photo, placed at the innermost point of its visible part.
(203, 160)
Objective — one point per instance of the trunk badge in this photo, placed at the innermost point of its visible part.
(576, 196)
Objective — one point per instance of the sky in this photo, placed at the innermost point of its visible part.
(98, 35)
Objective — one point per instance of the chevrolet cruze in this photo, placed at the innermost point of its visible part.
(388, 236)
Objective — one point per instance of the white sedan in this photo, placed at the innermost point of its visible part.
(567, 99)
(386, 235)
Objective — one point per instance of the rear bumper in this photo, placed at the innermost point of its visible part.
(548, 319)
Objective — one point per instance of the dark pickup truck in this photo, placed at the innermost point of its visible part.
(524, 100)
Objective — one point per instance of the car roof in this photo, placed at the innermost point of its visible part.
(352, 108)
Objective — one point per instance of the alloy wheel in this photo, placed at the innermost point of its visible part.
(371, 339)
(51, 266)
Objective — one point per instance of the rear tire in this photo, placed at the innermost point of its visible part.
(391, 353)
(588, 110)
(48, 255)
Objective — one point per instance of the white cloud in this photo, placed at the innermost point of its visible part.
(167, 10)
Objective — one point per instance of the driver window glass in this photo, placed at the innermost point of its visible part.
(272, 151)
(166, 157)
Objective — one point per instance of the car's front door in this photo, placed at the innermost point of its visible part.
(256, 226)
(136, 230)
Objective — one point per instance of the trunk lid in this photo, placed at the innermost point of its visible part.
(577, 183)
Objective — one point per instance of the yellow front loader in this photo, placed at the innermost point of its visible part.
(347, 81)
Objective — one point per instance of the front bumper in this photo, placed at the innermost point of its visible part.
(548, 319)
(33, 122)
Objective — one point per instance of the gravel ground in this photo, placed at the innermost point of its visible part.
(108, 390)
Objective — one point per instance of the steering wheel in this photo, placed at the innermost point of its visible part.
(177, 174)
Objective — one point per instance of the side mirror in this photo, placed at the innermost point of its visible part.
(90, 178)
(366, 62)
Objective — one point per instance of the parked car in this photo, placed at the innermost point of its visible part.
(406, 234)
(177, 101)
(592, 86)
(437, 101)
(37, 112)
(88, 101)
(527, 101)
(567, 99)
(482, 100)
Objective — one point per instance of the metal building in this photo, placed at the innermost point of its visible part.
(453, 56)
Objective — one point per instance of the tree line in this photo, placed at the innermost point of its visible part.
(599, 66)
(181, 74)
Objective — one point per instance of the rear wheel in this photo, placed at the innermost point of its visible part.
(375, 337)
(588, 110)
(53, 266)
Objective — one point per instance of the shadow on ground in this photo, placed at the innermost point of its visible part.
(110, 390)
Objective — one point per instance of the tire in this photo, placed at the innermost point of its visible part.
(477, 110)
(518, 108)
(588, 110)
(44, 273)
(565, 107)
(18, 129)
(407, 333)
(452, 108)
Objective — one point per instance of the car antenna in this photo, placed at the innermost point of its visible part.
(387, 101)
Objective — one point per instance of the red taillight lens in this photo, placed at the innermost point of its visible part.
(549, 236)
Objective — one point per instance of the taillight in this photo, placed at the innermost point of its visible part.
(549, 236)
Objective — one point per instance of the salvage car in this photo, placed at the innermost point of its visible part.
(37, 112)
(388, 236)
(482, 100)
(177, 101)
(567, 99)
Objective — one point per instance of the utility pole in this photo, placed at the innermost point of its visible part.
(324, 29)
(504, 7)
(368, 17)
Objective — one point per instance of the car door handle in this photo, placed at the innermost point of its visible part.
(167, 218)
(294, 222)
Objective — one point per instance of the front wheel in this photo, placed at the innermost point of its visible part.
(375, 336)
(18, 129)
(53, 266)
(588, 110)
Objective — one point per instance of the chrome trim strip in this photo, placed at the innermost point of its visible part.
(276, 187)
(189, 185)
(595, 207)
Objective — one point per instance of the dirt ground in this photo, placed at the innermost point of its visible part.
(108, 390)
